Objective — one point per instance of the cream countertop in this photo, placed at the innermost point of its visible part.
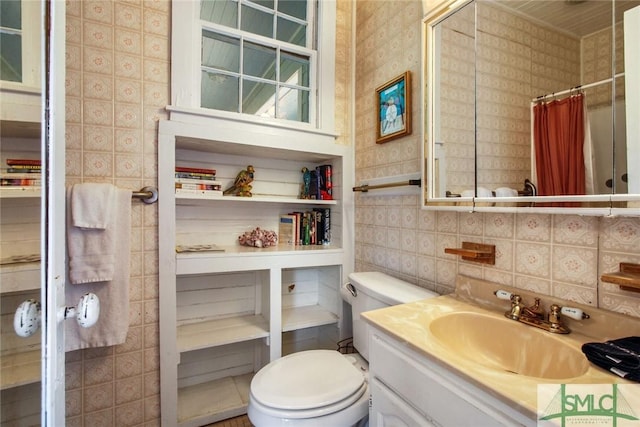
(410, 324)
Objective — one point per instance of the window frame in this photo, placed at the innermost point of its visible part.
(186, 69)
(21, 101)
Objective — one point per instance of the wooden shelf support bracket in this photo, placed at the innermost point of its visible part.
(628, 278)
(476, 252)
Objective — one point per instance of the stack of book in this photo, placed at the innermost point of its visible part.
(320, 185)
(306, 228)
(197, 182)
(22, 174)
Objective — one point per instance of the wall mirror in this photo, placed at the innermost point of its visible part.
(525, 104)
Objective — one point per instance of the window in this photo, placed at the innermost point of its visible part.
(19, 37)
(11, 41)
(259, 62)
(256, 58)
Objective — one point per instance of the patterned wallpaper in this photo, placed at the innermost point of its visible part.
(117, 87)
(559, 255)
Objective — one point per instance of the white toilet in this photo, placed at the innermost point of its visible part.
(322, 388)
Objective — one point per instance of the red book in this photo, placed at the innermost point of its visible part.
(24, 162)
(195, 170)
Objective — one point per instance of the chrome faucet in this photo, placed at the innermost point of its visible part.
(535, 316)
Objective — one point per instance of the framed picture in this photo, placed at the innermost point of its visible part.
(394, 108)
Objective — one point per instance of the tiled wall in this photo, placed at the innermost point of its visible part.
(117, 85)
(560, 255)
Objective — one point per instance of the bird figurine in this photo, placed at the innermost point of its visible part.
(241, 186)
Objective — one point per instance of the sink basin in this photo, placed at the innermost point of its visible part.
(507, 345)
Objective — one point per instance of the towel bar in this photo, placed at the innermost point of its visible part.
(365, 187)
(146, 194)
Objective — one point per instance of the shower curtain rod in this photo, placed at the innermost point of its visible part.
(566, 91)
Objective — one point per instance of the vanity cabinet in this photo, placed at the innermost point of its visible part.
(225, 313)
(408, 389)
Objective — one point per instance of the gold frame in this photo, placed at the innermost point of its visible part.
(395, 124)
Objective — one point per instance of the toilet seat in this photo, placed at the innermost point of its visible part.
(308, 384)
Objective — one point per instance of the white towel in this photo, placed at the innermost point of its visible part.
(92, 205)
(113, 323)
(91, 234)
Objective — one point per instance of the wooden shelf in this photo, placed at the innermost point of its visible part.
(213, 401)
(211, 333)
(306, 317)
(628, 278)
(476, 252)
(20, 368)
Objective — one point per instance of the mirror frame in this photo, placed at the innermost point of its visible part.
(596, 205)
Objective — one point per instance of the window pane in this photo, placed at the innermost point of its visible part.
(264, 3)
(295, 8)
(258, 98)
(257, 22)
(294, 69)
(219, 91)
(223, 12)
(11, 57)
(259, 61)
(293, 104)
(10, 14)
(292, 32)
(220, 52)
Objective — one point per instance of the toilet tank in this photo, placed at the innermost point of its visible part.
(371, 290)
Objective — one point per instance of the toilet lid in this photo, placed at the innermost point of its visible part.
(306, 380)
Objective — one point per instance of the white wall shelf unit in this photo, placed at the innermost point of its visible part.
(226, 313)
(20, 371)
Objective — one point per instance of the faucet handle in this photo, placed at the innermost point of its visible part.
(574, 313)
(500, 294)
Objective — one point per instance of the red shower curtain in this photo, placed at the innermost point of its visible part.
(559, 140)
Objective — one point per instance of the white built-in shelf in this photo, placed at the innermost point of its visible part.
(244, 258)
(256, 199)
(19, 192)
(213, 401)
(306, 317)
(211, 333)
(20, 277)
(20, 368)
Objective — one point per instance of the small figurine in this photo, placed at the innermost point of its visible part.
(241, 186)
(306, 181)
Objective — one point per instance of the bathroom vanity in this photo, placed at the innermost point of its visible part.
(457, 360)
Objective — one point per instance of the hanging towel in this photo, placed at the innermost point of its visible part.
(91, 234)
(92, 205)
(621, 356)
(113, 323)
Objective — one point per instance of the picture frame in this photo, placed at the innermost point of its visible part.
(394, 108)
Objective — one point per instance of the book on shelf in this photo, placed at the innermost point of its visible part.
(24, 162)
(197, 186)
(324, 182)
(20, 182)
(198, 181)
(323, 218)
(24, 166)
(200, 174)
(195, 175)
(195, 170)
(202, 194)
(287, 229)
